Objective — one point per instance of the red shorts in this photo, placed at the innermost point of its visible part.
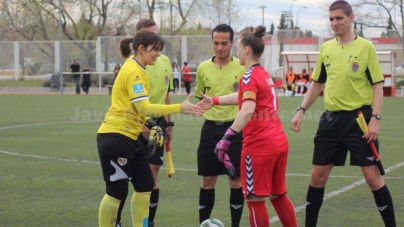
(262, 175)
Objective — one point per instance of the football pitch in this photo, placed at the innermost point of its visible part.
(50, 173)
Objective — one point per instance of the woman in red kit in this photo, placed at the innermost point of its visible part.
(265, 144)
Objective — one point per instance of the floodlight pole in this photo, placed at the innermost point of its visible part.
(60, 49)
(263, 9)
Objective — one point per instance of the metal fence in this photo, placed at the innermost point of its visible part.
(43, 57)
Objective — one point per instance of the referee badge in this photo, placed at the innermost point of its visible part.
(355, 67)
(166, 78)
(122, 161)
(235, 86)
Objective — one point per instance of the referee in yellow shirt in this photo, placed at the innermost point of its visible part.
(349, 68)
(218, 76)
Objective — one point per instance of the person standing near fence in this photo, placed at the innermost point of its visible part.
(176, 76)
(349, 68)
(85, 84)
(122, 155)
(187, 77)
(75, 69)
(217, 76)
(160, 79)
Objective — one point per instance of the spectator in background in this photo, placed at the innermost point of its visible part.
(290, 81)
(116, 70)
(301, 80)
(86, 79)
(186, 72)
(176, 76)
(75, 68)
(309, 80)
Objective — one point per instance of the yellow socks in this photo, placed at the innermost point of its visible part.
(140, 208)
(108, 211)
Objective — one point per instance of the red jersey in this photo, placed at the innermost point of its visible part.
(263, 134)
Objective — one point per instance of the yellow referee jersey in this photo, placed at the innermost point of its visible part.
(216, 81)
(348, 71)
(160, 79)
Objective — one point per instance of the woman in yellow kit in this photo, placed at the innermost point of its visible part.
(122, 155)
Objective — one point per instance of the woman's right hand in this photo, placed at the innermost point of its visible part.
(190, 109)
(206, 102)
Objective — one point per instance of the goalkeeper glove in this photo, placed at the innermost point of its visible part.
(156, 139)
(150, 123)
(223, 145)
(221, 151)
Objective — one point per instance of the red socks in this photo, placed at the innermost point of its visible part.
(258, 214)
(285, 210)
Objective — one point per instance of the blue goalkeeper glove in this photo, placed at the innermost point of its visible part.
(222, 148)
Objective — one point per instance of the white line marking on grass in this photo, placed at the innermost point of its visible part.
(340, 191)
(44, 123)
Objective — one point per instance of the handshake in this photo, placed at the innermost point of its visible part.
(156, 137)
(221, 150)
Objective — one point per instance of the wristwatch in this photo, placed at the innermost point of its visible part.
(170, 124)
(301, 108)
(377, 116)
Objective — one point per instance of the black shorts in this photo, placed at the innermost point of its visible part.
(158, 156)
(338, 133)
(208, 163)
(123, 158)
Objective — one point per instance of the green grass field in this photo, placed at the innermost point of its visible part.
(50, 175)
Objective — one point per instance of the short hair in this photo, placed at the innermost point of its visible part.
(254, 40)
(145, 23)
(224, 28)
(185, 63)
(342, 5)
(142, 37)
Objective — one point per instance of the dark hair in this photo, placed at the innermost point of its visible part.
(224, 28)
(254, 40)
(142, 37)
(145, 23)
(342, 5)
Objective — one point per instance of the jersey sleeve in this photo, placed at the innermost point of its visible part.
(374, 70)
(249, 86)
(319, 73)
(136, 87)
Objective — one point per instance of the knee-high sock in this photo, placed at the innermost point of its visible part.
(384, 203)
(258, 214)
(206, 203)
(107, 212)
(140, 208)
(236, 206)
(285, 210)
(154, 201)
(314, 200)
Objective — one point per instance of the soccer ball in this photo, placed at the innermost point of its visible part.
(212, 222)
